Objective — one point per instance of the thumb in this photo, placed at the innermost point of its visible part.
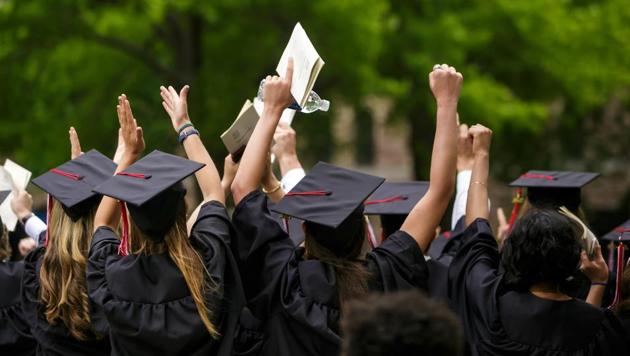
(289, 73)
(183, 94)
(139, 134)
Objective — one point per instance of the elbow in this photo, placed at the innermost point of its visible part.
(239, 190)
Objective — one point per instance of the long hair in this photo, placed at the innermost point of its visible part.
(624, 305)
(5, 248)
(187, 260)
(63, 289)
(352, 276)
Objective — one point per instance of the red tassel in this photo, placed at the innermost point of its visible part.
(49, 204)
(537, 176)
(66, 174)
(123, 248)
(134, 175)
(386, 200)
(313, 193)
(620, 258)
(517, 202)
(622, 230)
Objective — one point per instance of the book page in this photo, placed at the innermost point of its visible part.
(287, 114)
(21, 176)
(304, 59)
(6, 183)
(236, 137)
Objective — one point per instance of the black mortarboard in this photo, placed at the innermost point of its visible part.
(620, 233)
(553, 189)
(330, 200)
(395, 198)
(72, 182)
(152, 189)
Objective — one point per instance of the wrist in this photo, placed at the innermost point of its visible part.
(481, 154)
(273, 110)
(289, 161)
(447, 103)
(599, 283)
(23, 215)
(270, 183)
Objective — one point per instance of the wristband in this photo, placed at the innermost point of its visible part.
(183, 126)
(599, 284)
(184, 135)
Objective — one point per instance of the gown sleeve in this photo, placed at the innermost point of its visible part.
(263, 250)
(399, 263)
(210, 236)
(104, 245)
(473, 279)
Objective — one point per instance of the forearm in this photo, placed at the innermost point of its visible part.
(254, 158)
(477, 204)
(461, 194)
(273, 188)
(444, 154)
(208, 177)
(288, 162)
(596, 295)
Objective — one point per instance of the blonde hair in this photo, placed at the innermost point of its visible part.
(5, 248)
(187, 260)
(63, 289)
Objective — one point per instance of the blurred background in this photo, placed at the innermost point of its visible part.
(550, 77)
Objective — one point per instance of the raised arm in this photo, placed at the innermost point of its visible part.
(477, 204)
(445, 84)
(465, 162)
(108, 212)
(208, 177)
(277, 94)
(596, 271)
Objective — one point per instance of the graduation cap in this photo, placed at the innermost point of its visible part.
(330, 201)
(553, 189)
(620, 233)
(394, 201)
(152, 191)
(72, 182)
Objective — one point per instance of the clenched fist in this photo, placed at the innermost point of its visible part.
(482, 137)
(277, 90)
(445, 83)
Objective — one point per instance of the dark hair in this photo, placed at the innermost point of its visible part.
(542, 247)
(352, 275)
(401, 323)
(391, 223)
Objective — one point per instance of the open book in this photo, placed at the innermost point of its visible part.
(306, 64)
(235, 138)
(12, 176)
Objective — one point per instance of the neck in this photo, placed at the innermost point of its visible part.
(547, 291)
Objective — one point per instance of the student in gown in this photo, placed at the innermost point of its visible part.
(54, 291)
(300, 293)
(521, 310)
(15, 336)
(164, 290)
(414, 325)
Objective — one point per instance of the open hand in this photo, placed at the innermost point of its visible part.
(481, 139)
(130, 132)
(75, 144)
(21, 203)
(277, 90)
(176, 105)
(596, 270)
(445, 83)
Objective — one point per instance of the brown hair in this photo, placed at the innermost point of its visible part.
(186, 258)
(352, 276)
(5, 248)
(63, 289)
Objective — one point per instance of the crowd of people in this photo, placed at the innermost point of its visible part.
(120, 267)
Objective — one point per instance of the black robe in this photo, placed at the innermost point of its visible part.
(499, 321)
(15, 336)
(147, 302)
(52, 339)
(297, 299)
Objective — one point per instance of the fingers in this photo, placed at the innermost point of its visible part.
(75, 145)
(598, 252)
(167, 108)
(166, 96)
(463, 131)
(289, 74)
(172, 91)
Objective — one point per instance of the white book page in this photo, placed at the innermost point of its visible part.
(6, 183)
(237, 136)
(21, 176)
(305, 56)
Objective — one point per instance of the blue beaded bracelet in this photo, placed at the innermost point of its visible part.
(184, 135)
(183, 126)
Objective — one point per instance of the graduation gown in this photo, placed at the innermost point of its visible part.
(147, 302)
(52, 339)
(499, 321)
(297, 299)
(15, 336)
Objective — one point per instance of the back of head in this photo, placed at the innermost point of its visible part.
(543, 247)
(402, 323)
(62, 276)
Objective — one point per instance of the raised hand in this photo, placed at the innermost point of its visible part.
(277, 90)
(465, 158)
(21, 203)
(284, 139)
(130, 132)
(176, 105)
(120, 148)
(481, 139)
(596, 270)
(75, 144)
(445, 83)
